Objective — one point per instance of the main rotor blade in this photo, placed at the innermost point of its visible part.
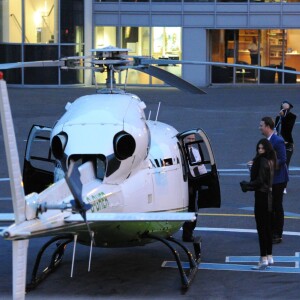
(148, 61)
(171, 79)
(32, 64)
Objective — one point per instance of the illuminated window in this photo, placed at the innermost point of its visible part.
(166, 44)
(137, 40)
(11, 21)
(103, 37)
(40, 21)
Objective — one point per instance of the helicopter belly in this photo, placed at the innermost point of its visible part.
(126, 234)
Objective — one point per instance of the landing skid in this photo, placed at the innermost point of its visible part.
(64, 239)
(56, 259)
(194, 261)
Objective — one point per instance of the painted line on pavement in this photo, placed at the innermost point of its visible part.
(291, 168)
(291, 233)
(4, 179)
(232, 267)
(229, 260)
(286, 215)
(5, 198)
(236, 259)
(245, 171)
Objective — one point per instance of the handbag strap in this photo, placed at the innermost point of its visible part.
(271, 174)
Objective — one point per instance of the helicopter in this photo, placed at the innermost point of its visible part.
(113, 178)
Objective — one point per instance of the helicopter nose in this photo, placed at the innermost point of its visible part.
(124, 145)
(58, 145)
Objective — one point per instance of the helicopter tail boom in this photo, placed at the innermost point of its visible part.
(134, 217)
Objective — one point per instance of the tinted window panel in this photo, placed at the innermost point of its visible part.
(72, 76)
(11, 53)
(41, 75)
(72, 20)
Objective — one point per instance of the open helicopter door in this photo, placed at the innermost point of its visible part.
(201, 167)
(38, 168)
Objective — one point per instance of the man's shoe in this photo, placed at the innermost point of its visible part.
(284, 191)
(276, 240)
(188, 239)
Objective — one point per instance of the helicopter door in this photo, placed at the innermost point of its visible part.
(38, 163)
(201, 167)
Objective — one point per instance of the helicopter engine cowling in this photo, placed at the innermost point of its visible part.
(124, 145)
(104, 125)
(58, 145)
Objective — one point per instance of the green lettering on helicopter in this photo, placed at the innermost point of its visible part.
(98, 201)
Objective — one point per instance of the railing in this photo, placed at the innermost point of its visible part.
(18, 25)
(45, 22)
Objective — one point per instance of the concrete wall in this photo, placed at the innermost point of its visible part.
(194, 41)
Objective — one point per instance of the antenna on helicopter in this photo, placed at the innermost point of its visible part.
(157, 111)
(126, 77)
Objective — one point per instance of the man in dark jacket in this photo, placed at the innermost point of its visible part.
(284, 124)
(280, 179)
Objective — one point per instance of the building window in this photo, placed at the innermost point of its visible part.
(11, 53)
(45, 75)
(71, 21)
(39, 37)
(222, 50)
(166, 44)
(292, 56)
(137, 40)
(11, 21)
(40, 21)
(273, 48)
(104, 37)
(72, 76)
(158, 42)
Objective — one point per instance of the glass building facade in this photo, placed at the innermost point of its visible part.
(41, 30)
(157, 42)
(217, 31)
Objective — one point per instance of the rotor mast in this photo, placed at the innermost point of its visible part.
(108, 60)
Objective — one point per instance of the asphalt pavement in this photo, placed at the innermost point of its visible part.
(230, 116)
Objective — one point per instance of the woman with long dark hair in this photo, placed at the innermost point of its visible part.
(262, 171)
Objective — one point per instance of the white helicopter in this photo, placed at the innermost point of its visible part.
(113, 178)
